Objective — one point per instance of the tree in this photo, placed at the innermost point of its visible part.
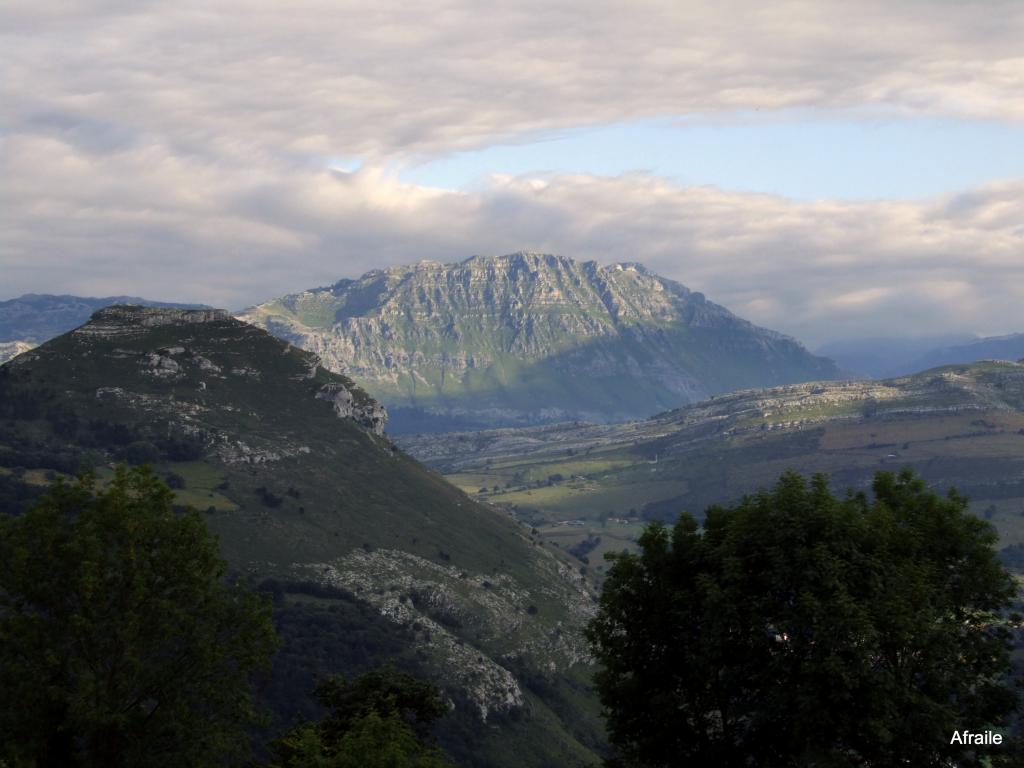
(801, 629)
(381, 719)
(121, 642)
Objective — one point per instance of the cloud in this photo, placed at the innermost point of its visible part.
(184, 150)
(144, 220)
(316, 78)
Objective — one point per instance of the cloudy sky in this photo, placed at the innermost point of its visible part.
(829, 169)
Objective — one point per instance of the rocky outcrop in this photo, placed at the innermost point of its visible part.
(364, 411)
(11, 349)
(447, 604)
(124, 320)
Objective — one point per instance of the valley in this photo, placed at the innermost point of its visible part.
(957, 426)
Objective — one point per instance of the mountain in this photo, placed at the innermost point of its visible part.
(529, 338)
(897, 356)
(371, 557)
(990, 348)
(35, 318)
(957, 426)
(882, 357)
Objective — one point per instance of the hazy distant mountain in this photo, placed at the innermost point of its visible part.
(990, 348)
(529, 338)
(887, 356)
(36, 318)
(884, 357)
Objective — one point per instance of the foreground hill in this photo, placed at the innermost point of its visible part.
(529, 338)
(959, 426)
(371, 556)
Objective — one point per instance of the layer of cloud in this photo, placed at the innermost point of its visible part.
(145, 220)
(181, 150)
(312, 79)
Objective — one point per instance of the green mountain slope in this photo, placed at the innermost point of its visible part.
(959, 426)
(529, 338)
(371, 556)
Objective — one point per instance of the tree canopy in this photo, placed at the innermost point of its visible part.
(121, 641)
(380, 719)
(797, 628)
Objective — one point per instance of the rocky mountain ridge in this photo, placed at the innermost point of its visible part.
(531, 337)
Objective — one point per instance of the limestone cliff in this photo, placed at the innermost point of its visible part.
(532, 337)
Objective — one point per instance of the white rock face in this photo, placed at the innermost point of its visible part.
(11, 349)
(161, 365)
(514, 339)
(207, 365)
(443, 602)
(370, 414)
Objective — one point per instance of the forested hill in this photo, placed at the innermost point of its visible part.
(531, 337)
(373, 558)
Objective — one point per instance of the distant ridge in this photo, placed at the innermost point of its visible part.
(531, 338)
(885, 357)
(39, 317)
(1010, 347)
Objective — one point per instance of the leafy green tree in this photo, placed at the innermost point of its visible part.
(381, 719)
(121, 642)
(799, 629)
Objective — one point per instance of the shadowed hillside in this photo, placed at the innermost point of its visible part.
(372, 557)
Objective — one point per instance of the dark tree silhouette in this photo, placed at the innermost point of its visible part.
(121, 642)
(801, 629)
